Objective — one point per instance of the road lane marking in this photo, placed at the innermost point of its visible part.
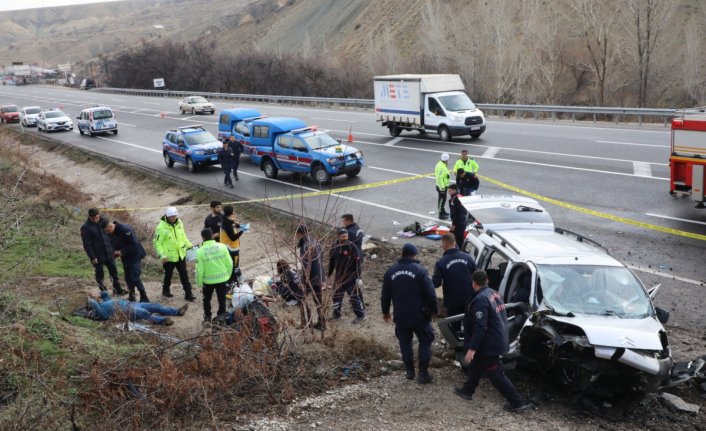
(642, 169)
(676, 218)
(632, 143)
(126, 124)
(524, 162)
(333, 119)
(130, 145)
(595, 213)
(666, 275)
(392, 142)
(151, 103)
(490, 152)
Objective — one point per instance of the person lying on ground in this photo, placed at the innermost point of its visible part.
(105, 307)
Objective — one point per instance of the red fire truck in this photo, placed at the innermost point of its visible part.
(687, 161)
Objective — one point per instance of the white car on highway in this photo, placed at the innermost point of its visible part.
(53, 120)
(28, 115)
(196, 105)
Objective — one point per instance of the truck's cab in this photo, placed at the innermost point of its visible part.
(452, 113)
(288, 144)
(228, 119)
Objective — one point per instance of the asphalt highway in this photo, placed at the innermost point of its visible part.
(617, 169)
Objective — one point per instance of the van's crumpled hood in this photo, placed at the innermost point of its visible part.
(642, 334)
(344, 150)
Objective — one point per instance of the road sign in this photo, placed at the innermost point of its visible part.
(64, 67)
(22, 70)
(159, 82)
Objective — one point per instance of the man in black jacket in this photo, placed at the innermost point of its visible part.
(485, 340)
(215, 219)
(355, 233)
(313, 277)
(237, 150)
(97, 245)
(458, 214)
(227, 160)
(129, 249)
(454, 271)
(345, 260)
(408, 287)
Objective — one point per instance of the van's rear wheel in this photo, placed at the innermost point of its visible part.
(444, 134)
(395, 130)
(270, 169)
(168, 161)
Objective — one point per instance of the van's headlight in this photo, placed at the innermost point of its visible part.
(455, 117)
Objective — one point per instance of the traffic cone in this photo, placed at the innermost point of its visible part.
(61, 106)
(161, 114)
(350, 135)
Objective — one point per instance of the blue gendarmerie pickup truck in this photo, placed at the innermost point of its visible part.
(288, 144)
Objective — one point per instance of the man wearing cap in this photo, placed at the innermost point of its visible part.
(408, 287)
(470, 169)
(128, 248)
(441, 172)
(214, 267)
(227, 159)
(454, 271)
(170, 243)
(485, 340)
(345, 260)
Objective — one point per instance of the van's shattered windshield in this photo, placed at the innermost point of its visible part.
(594, 290)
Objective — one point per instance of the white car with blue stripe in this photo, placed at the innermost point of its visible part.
(98, 119)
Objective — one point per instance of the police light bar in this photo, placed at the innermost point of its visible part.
(304, 129)
(255, 118)
(195, 126)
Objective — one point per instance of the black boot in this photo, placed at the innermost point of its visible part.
(166, 292)
(143, 296)
(189, 295)
(409, 371)
(131, 294)
(424, 376)
(117, 289)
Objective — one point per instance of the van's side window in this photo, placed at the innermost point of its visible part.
(284, 141)
(224, 119)
(261, 131)
(434, 107)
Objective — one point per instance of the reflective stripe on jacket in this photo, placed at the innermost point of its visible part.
(213, 263)
(170, 240)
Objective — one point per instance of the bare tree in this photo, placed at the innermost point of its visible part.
(648, 19)
(434, 26)
(596, 25)
(694, 77)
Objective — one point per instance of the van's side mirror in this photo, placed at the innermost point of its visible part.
(662, 315)
(78, 117)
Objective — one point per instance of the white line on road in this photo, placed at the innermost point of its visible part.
(490, 152)
(333, 119)
(675, 218)
(392, 142)
(573, 168)
(151, 103)
(666, 275)
(126, 124)
(395, 171)
(118, 100)
(642, 169)
(632, 143)
(131, 145)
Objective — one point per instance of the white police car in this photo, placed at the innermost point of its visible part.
(98, 119)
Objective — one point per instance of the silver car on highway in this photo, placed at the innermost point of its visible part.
(53, 120)
(28, 115)
(196, 105)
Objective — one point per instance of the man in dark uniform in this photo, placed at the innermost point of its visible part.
(408, 287)
(345, 260)
(485, 340)
(355, 233)
(454, 270)
(465, 182)
(237, 150)
(313, 276)
(458, 214)
(128, 248)
(227, 160)
(214, 220)
(97, 245)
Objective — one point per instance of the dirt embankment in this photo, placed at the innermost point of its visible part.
(365, 391)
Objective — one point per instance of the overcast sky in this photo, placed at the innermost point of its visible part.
(6, 5)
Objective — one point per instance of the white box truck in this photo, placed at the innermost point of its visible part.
(427, 103)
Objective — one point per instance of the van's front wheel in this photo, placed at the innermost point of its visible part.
(321, 175)
(444, 134)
